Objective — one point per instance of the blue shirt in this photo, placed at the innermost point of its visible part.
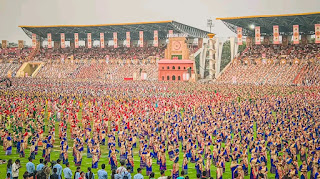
(40, 167)
(102, 174)
(138, 176)
(59, 169)
(67, 173)
(30, 167)
(77, 175)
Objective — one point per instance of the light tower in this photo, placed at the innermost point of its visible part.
(211, 57)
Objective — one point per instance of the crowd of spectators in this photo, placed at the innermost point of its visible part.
(14, 54)
(276, 65)
(101, 53)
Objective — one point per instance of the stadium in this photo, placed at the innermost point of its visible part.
(161, 100)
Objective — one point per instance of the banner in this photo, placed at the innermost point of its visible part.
(170, 33)
(317, 33)
(34, 40)
(155, 39)
(20, 44)
(141, 38)
(276, 34)
(258, 37)
(4, 44)
(63, 43)
(102, 40)
(295, 34)
(49, 40)
(128, 39)
(239, 35)
(115, 40)
(76, 40)
(89, 40)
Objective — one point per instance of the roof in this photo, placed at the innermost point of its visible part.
(166, 61)
(163, 28)
(285, 22)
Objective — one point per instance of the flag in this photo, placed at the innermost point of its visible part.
(115, 40)
(63, 43)
(141, 38)
(295, 34)
(89, 40)
(49, 40)
(76, 40)
(257, 35)
(128, 38)
(102, 40)
(34, 40)
(155, 41)
(239, 35)
(276, 34)
(317, 33)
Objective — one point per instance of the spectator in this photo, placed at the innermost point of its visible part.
(182, 175)
(126, 174)
(102, 174)
(198, 175)
(82, 175)
(54, 175)
(163, 175)
(30, 167)
(67, 172)
(138, 175)
(59, 168)
(113, 174)
(9, 167)
(121, 169)
(151, 176)
(204, 175)
(46, 169)
(8, 176)
(40, 165)
(77, 173)
(89, 174)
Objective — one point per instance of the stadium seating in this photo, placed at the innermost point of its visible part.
(274, 65)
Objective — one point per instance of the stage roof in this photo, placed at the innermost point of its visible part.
(163, 28)
(306, 22)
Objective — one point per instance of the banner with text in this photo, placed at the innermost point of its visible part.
(34, 40)
(89, 40)
(155, 38)
(63, 42)
(276, 34)
(141, 38)
(49, 40)
(76, 40)
(102, 40)
(239, 32)
(115, 40)
(295, 34)
(258, 37)
(317, 33)
(128, 39)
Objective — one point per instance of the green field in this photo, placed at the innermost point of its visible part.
(87, 162)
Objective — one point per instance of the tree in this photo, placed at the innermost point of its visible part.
(226, 53)
(226, 56)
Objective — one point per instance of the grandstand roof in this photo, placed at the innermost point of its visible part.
(148, 27)
(285, 22)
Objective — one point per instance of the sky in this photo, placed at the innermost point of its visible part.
(85, 12)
